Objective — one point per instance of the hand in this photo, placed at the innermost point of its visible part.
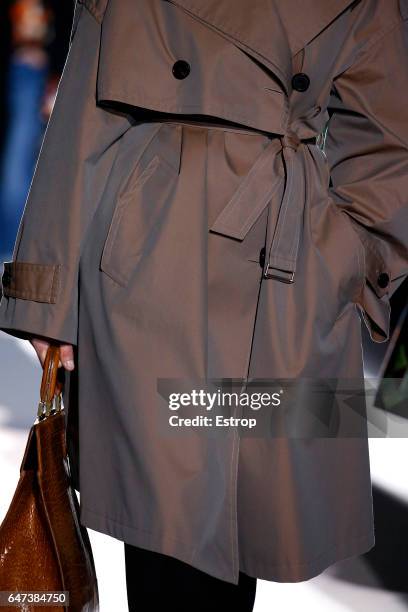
(66, 353)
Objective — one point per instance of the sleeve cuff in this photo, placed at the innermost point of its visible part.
(376, 314)
(31, 281)
(35, 302)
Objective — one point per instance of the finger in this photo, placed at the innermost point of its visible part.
(67, 356)
(40, 347)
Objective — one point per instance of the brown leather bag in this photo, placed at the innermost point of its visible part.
(43, 546)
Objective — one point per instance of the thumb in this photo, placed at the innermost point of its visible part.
(67, 356)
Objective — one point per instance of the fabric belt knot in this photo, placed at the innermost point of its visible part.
(259, 188)
(290, 140)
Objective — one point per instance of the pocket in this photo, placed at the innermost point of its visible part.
(139, 212)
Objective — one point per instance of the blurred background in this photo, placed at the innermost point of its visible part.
(34, 42)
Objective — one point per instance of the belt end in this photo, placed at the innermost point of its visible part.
(286, 276)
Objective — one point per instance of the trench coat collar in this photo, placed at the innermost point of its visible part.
(245, 22)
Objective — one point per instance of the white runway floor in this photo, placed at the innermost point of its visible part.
(338, 589)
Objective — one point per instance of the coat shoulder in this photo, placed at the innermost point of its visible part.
(381, 14)
(366, 25)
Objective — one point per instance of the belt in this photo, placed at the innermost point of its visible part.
(260, 187)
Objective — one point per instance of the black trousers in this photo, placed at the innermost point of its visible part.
(155, 581)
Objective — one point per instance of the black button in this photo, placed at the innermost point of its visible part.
(181, 69)
(383, 280)
(300, 81)
(262, 257)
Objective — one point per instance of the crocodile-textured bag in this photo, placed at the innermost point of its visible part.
(43, 546)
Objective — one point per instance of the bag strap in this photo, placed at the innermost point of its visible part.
(50, 387)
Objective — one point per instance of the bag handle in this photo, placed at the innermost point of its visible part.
(50, 387)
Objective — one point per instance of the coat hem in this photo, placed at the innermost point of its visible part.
(300, 572)
(154, 541)
(158, 542)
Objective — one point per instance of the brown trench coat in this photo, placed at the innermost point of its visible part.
(177, 136)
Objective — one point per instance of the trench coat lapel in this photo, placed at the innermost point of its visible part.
(248, 25)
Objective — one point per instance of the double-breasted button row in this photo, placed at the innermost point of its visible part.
(300, 81)
(181, 69)
(383, 280)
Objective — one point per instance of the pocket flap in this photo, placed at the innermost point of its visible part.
(143, 183)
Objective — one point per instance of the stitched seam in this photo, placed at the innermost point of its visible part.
(115, 219)
(233, 489)
(124, 199)
(26, 294)
(316, 559)
(307, 563)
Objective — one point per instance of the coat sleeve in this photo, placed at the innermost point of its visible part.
(40, 284)
(366, 145)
